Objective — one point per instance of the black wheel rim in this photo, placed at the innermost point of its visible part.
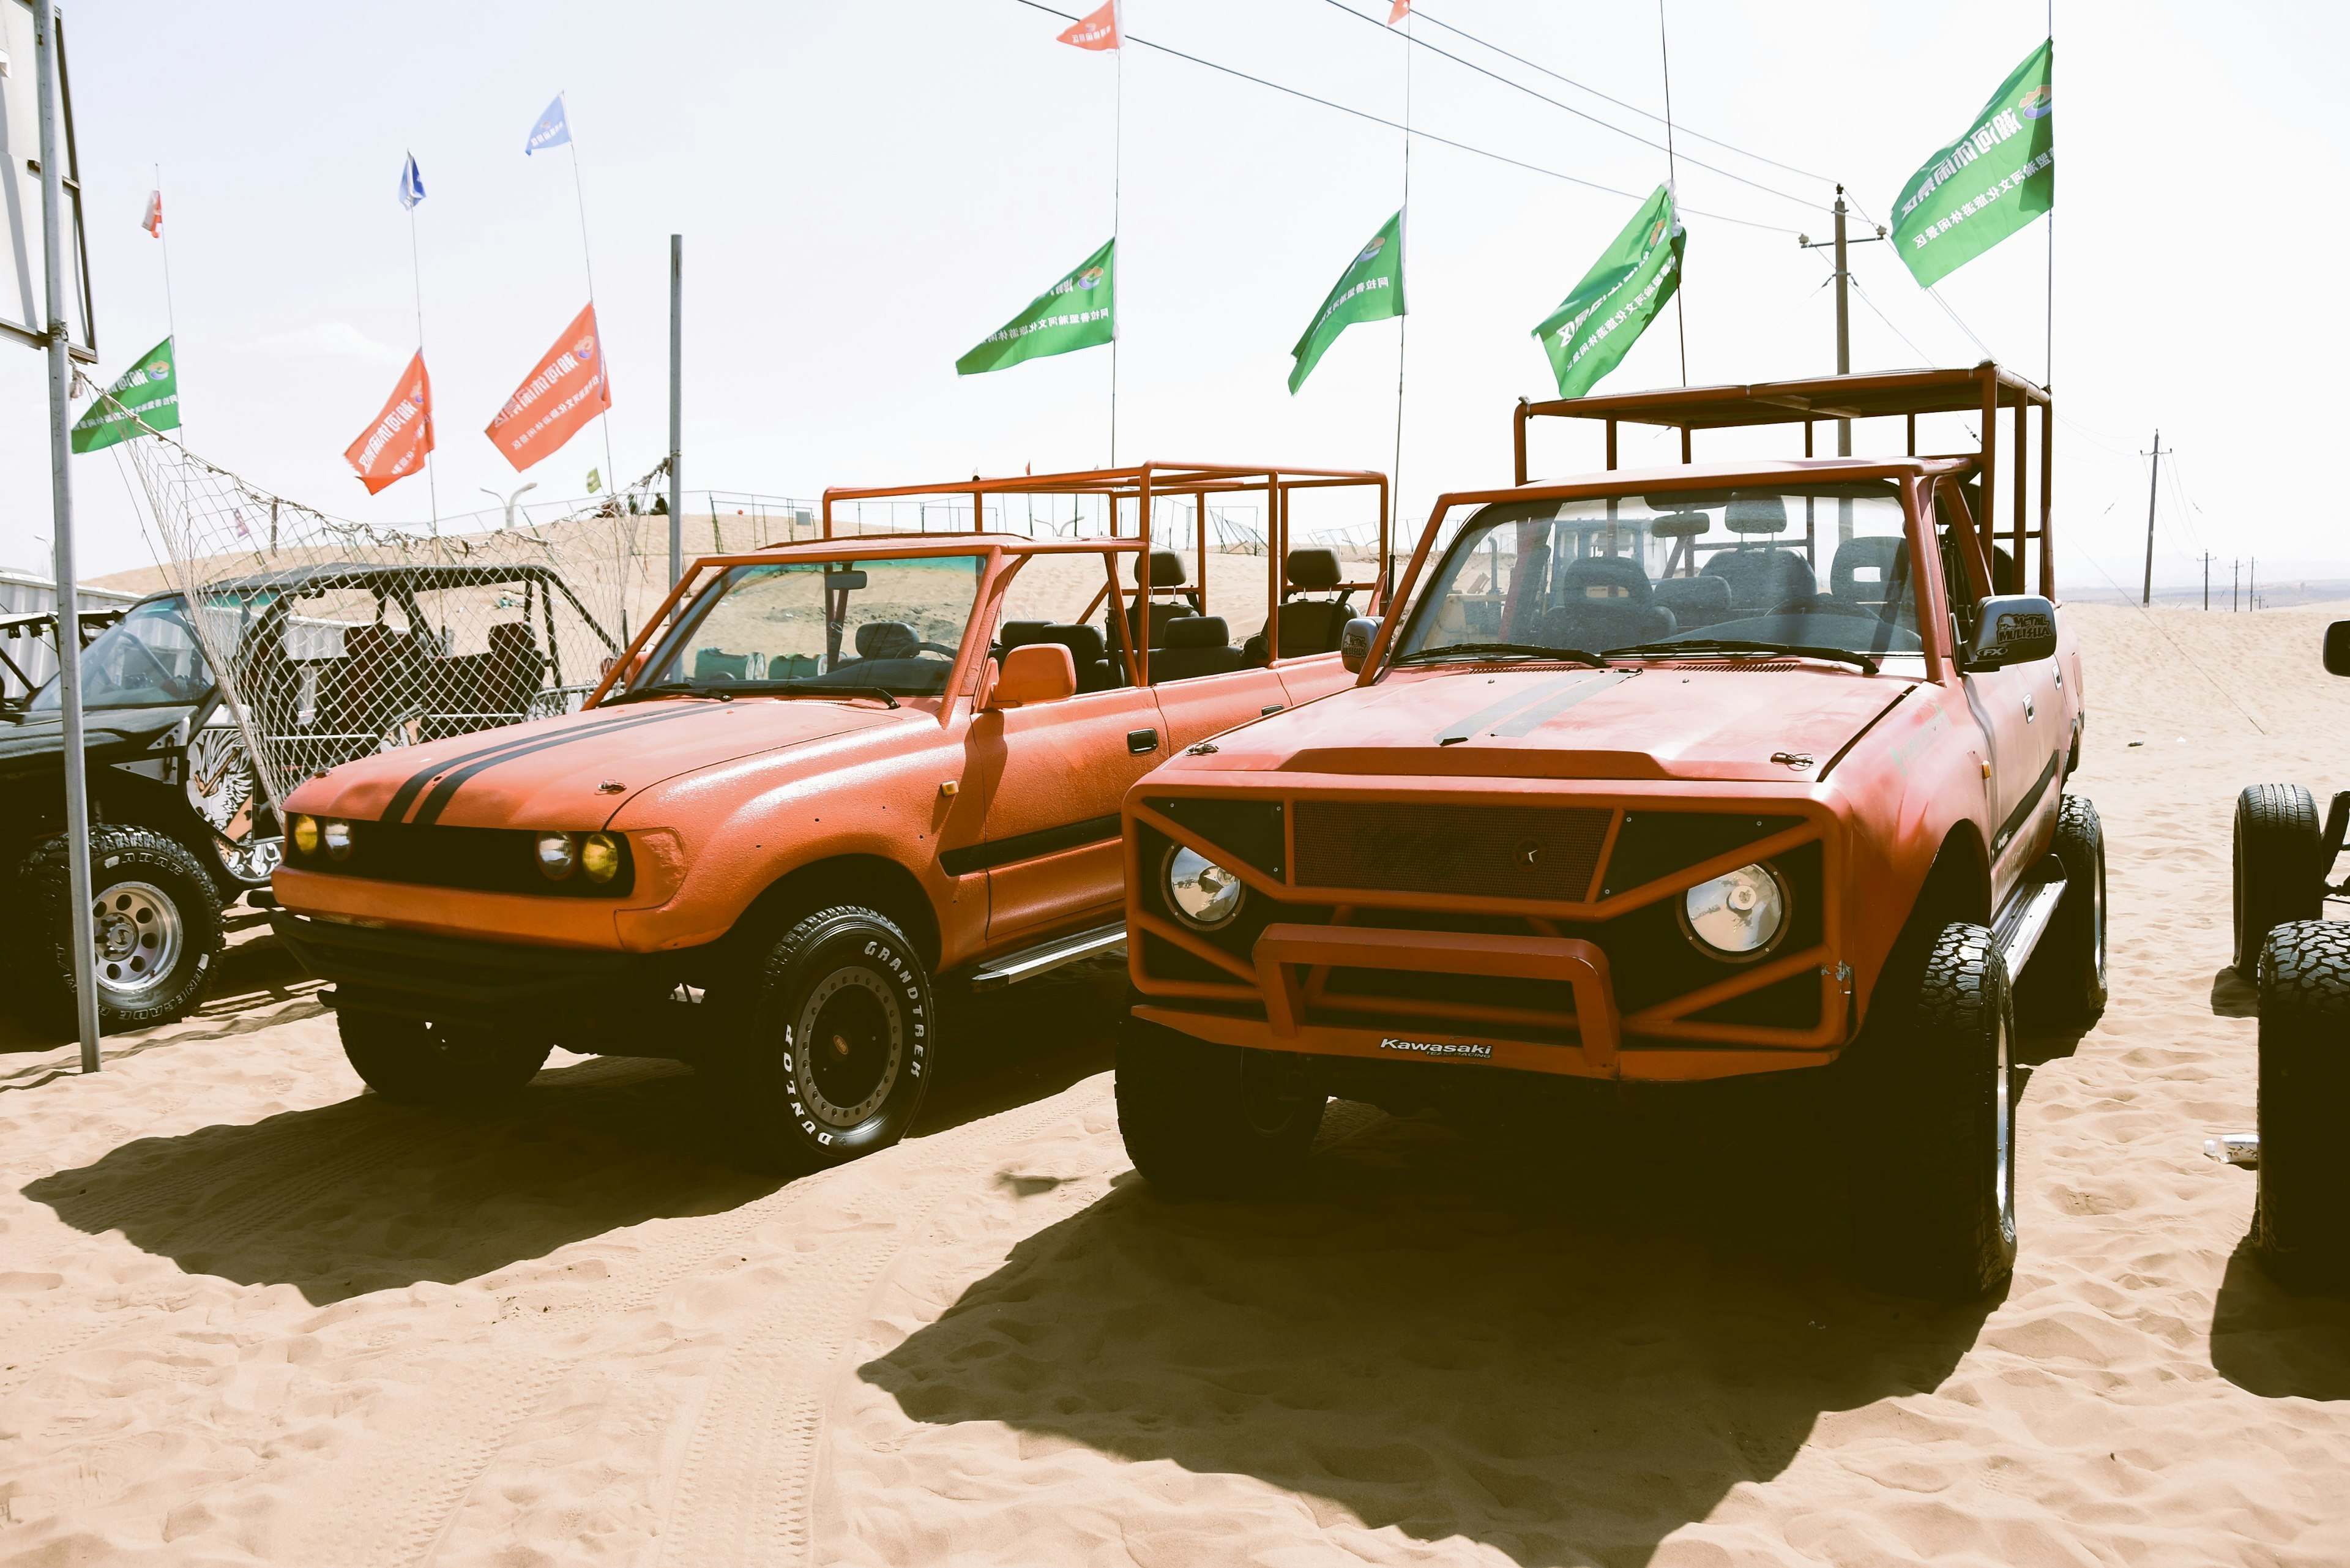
(849, 1043)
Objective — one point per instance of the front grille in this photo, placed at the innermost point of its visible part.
(482, 859)
(1505, 851)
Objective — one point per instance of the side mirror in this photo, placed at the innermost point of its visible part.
(2337, 648)
(1034, 672)
(1355, 642)
(2012, 628)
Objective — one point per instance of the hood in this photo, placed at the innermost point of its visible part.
(35, 742)
(555, 772)
(1704, 722)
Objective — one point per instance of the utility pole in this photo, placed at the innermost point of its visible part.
(2252, 586)
(2207, 582)
(676, 408)
(2146, 595)
(2235, 584)
(1842, 330)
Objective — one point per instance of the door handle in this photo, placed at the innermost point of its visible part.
(1139, 742)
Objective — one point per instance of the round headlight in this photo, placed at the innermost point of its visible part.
(1739, 917)
(558, 854)
(306, 835)
(600, 857)
(1203, 895)
(338, 835)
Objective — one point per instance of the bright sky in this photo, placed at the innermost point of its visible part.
(868, 190)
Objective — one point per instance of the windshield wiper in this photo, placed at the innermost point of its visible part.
(1742, 645)
(1498, 650)
(660, 688)
(794, 688)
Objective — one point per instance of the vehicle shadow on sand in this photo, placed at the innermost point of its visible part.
(366, 1195)
(2277, 1343)
(1562, 1347)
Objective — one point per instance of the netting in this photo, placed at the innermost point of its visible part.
(332, 639)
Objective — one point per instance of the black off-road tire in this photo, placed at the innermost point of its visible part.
(1931, 1101)
(2301, 1229)
(1204, 1120)
(2277, 877)
(147, 874)
(827, 1045)
(2065, 983)
(420, 1064)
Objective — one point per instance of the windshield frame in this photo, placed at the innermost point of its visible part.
(45, 698)
(1914, 480)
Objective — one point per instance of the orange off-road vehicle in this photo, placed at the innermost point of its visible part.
(1657, 776)
(826, 777)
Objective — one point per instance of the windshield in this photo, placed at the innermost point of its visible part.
(1810, 565)
(883, 624)
(147, 659)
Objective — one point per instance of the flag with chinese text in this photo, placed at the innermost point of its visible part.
(1988, 183)
(1078, 312)
(144, 398)
(565, 391)
(1603, 315)
(393, 446)
(1370, 289)
(153, 221)
(1099, 31)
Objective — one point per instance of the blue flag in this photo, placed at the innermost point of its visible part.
(411, 184)
(551, 129)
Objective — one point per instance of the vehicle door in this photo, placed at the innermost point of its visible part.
(2009, 704)
(1053, 775)
(1206, 687)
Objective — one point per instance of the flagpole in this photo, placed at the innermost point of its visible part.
(2048, 310)
(588, 261)
(1116, 193)
(416, 273)
(170, 317)
(1403, 227)
(1673, 175)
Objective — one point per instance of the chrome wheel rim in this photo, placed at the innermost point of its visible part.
(850, 1043)
(139, 935)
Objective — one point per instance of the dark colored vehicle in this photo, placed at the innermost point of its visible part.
(2301, 961)
(334, 662)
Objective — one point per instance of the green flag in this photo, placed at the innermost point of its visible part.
(1078, 312)
(1602, 316)
(1988, 183)
(1371, 289)
(148, 391)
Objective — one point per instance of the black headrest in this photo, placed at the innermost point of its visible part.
(1710, 592)
(1020, 633)
(1199, 631)
(1856, 555)
(886, 640)
(1313, 571)
(1084, 642)
(1680, 525)
(1166, 569)
(1610, 572)
(1763, 514)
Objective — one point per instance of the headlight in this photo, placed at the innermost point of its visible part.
(338, 835)
(306, 835)
(1203, 895)
(600, 857)
(558, 854)
(1740, 917)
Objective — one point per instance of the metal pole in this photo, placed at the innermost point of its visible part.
(53, 268)
(1844, 322)
(676, 408)
(2146, 595)
(2207, 582)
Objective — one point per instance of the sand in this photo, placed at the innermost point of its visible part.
(250, 1315)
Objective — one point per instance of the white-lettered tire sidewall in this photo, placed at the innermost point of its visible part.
(773, 1062)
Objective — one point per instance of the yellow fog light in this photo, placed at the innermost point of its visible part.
(600, 857)
(558, 854)
(306, 835)
(338, 835)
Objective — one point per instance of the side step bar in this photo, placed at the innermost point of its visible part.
(2023, 920)
(1030, 962)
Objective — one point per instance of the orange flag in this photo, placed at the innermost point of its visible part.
(394, 446)
(566, 389)
(1099, 31)
(1398, 12)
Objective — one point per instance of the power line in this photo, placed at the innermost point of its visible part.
(1663, 147)
(1392, 125)
(1865, 299)
(1633, 108)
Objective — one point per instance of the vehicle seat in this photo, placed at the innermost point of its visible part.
(1694, 601)
(1306, 626)
(887, 639)
(1608, 602)
(1862, 572)
(1095, 673)
(1197, 645)
(1764, 580)
(1166, 572)
(513, 669)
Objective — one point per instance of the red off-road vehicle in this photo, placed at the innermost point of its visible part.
(1661, 777)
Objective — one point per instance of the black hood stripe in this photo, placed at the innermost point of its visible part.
(1461, 729)
(453, 775)
(405, 796)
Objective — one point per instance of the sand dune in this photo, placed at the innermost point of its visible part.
(249, 1314)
